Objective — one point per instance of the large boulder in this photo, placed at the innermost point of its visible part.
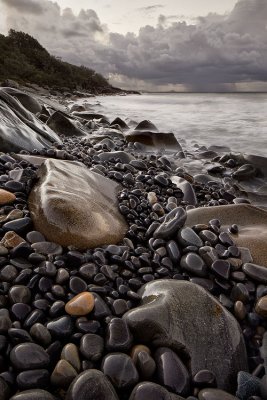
(147, 134)
(71, 205)
(29, 102)
(252, 223)
(63, 125)
(20, 129)
(185, 317)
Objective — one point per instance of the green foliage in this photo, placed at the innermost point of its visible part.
(24, 60)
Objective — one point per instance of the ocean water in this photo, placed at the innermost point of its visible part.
(238, 121)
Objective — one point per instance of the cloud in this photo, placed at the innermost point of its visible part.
(217, 52)
(28, 6)
(155, 7)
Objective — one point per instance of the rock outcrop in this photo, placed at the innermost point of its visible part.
(20, 129)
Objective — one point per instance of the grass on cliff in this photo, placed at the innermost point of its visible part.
(24, 60)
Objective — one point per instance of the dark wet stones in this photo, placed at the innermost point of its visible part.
(33, 394)
(193, 263)
(43, 247)
(91, 385)
(27, 356)
(92, 347)
(165, 303)
(261, 307)
(247, 385)
(61, 327)
(256, 272)
(41, 334)
(120, 369)
(63, 374)
(4, 390)
(221, 268)
(172, 222)
(215, 394)
(145, 365)
(118, 336)
(246, 171)
(187, 237)
(204, 379)
(19, 294)
(19, 226)
(39, 379)
(124, 157)
(171, 372)
(151, 390)
(70, 353)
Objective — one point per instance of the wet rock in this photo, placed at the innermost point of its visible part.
(19, 226)
(88, 115)
(47, 248)
(20, 129)
(186, 188)
(151, 390)
(62, 125)
(70, 353)
(4, 390)
(145, 364)
(63, 190)
(261, 307)
(120, 369)
(147, 134)
(91, 385)
(171, 372)
(27, 356)
(19, 294)
(118, 336)
(33, 394)
(252, 223)
(187, 237)
(39, 379)
(204, 379)
(80, 305)
(124, 157)
(247, 385)
(63, 374)
(173, 221)
(193, 263)
(166, 303)
(92, 346)
(245, 172)
(61, 327)
(215, 394)
(256, 272)
(6, 197)
(29, 102)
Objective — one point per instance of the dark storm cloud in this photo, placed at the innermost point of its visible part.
(217, 50)
(28, 6)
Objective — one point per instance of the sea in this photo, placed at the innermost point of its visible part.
(236, 120)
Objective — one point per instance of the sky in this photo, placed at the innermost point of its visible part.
(184, 45)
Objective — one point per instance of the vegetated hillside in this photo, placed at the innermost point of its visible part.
(24, 60)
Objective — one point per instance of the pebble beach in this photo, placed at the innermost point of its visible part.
(124, 273)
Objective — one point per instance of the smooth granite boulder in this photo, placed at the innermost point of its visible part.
(20, 129)
(88, 116)
(29, 102)
(251, 221)
(71, 205)
(186, 318)
(63, 125)
(148, 134)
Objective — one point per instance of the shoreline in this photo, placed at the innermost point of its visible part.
(70, 315)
